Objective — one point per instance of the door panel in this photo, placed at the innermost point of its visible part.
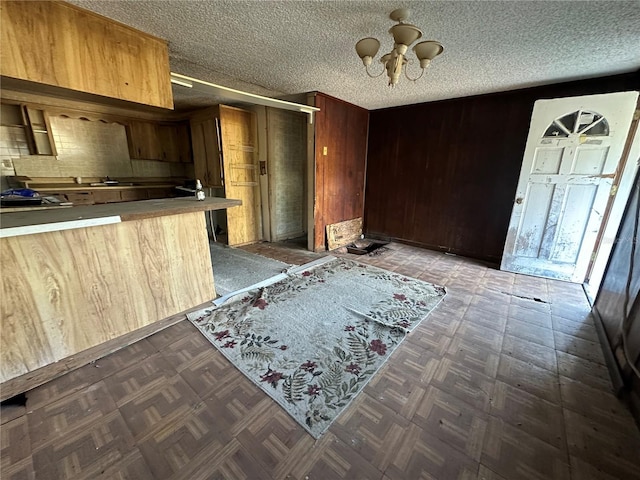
(547, 160)
(535, 213)
(238, 137)
(570, 161)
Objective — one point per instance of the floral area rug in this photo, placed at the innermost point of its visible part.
(313, 340)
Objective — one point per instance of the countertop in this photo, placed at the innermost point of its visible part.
(86, 187)
(39, 221)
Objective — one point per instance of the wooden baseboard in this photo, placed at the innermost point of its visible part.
(42, 375)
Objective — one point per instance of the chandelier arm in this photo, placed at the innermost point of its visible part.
(406, 74)
(375, 76)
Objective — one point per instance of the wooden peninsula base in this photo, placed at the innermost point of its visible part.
(70, 289)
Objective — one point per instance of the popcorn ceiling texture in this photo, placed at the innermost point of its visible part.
(287, 47)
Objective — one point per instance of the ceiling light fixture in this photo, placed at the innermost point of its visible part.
(404, 34)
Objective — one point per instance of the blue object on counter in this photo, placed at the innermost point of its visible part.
(20, 192)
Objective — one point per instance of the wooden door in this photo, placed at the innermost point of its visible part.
(570, 161)
(240, 166)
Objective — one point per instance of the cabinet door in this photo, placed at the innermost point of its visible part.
(56, 43)
(144, 141)
(206, 155)
(167, 136)
(184, 143)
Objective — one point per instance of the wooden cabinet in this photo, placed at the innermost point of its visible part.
(144, 143)
(207, 157)
(154, 141)
(59, 44)
(34, 122)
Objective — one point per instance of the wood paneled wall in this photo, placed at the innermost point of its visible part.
(341, 128)
(612, 298)
(443, 174)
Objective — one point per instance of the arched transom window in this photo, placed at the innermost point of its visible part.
(581, 122)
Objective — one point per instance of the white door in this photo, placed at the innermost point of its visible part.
(570, 160)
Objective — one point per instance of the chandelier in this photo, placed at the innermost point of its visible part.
(404, 34)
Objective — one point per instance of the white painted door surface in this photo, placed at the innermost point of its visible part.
(570, 160)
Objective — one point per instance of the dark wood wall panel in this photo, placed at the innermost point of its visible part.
(623, 268)
(610, 302)
(341, 128)
(443, 174)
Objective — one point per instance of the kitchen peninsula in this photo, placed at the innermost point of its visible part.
(76, 278)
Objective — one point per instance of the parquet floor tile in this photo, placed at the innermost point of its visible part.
(491, 300)
(476, 357)
(132, 381)
(332, 459)
(493, 385)
(453, 421)
(530, 352)
(274, 439)
(464, 383)
(398, 391)
(603, 406)
(15, 442)
(603, 446)
(68, 415)
(529, 413)
(480, 335)
(530, 333)
(485, 318)
(585, 331)
(372, 429)
(171, 443)
(512, 453)
(579, 347)
(589, 373)
(525, 376)
(86, 451)
(424, 456)
(532, 316)
(163, 401)
(414, 363)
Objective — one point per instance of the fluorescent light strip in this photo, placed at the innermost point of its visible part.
(182, 83)
(230, 93)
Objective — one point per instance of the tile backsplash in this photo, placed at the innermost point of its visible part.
(85, 149)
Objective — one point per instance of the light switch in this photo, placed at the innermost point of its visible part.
(324, 151)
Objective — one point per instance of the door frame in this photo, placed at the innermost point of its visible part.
(630, 164)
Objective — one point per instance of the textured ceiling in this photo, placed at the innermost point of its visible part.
(278, 48)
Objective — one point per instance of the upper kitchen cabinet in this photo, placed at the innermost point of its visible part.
(205, 140)
(55, 43)
(157, 141)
